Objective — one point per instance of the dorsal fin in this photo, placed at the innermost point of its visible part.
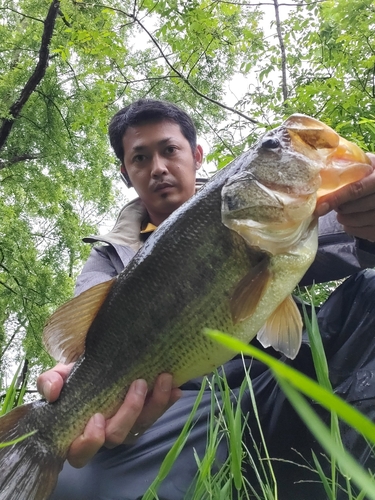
(65, 332)
(249, 291)
(283, 329)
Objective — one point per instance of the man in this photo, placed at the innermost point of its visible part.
(156, 144)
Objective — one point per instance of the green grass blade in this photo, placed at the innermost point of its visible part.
(175, 450)
(317, 349)
(266, 462)
(233, 418)
(17, 440)
(290, 380)
(303, 383)
(322, 477)
(322, 373)
(11, 393)
(323, 434)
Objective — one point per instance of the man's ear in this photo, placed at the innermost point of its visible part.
(125, 177)
(198, 156)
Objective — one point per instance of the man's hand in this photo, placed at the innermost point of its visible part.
(137, 413)
(355, 206)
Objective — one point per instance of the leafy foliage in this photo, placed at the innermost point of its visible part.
(221, 61)
(56, 169)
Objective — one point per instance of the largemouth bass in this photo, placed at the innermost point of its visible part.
(228, 259)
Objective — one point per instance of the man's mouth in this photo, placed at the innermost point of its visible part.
(162, 186)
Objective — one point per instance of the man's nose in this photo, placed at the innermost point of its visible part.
(158, 166)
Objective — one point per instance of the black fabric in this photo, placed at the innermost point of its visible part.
(339, 254)
(125, 472)
(347, 325)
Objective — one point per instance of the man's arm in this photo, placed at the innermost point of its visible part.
(104, 263)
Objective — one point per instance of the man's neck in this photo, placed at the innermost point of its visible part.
(157, 219)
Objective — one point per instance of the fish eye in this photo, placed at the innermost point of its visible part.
(272, 143)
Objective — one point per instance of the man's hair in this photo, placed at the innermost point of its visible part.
(146, 111)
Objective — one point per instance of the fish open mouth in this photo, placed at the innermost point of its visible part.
(343, 161)
(272, 204)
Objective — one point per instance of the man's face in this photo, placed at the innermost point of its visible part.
(161, 166)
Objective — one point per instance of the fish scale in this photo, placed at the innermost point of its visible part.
(227, 259)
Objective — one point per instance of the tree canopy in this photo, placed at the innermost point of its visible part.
(238, 67)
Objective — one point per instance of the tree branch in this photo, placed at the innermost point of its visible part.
(8, 287)
(282, 50)
(36, 77)
(21, 381)
(22, 14)
(51, 101)
(178, 73)
(187, 81)
(18, 159)
(261, 4)
(10, 340)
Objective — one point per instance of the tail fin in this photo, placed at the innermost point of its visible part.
(28, 469)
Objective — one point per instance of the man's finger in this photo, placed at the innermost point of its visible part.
(363, 205)
(49, 383)
(119, 426)
(357, 220)
(161, 398)
(349, 196)
(87, 444)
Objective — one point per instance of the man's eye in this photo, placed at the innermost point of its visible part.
(139, 158)
(171, 149)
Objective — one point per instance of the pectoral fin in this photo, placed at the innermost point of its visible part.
(249, 291)
(283, 329)
(65, 332)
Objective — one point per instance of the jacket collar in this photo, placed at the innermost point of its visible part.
(126, 231)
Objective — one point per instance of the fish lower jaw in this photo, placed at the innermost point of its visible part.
(274, 239)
